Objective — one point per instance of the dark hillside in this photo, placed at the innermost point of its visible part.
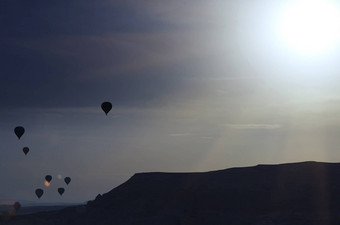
(296, 193)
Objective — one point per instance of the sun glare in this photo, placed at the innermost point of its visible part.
(310, 26)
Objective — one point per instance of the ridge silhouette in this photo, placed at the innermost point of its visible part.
(294, 193)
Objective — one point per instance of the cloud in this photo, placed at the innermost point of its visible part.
(196, 14)
(254, 126)
(207, 137)
(180, 134)
(54, 57)
(132, 53)
(45, 18)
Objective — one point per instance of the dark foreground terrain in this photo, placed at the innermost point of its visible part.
(4, 209)
(305, 193)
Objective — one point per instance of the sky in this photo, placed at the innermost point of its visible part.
(195, 86)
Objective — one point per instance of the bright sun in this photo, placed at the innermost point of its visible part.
(310, 26)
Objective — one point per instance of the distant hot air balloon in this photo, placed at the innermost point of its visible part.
(25, 150)
(16, 206)
(106, 107)
(48, 178)
(19, 131)
(39, 192)
(61, 191)
(67, 180)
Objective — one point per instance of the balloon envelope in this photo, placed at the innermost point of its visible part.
(25, 150)
(61, 191)
(19, 131)
(106, 107)
(48, 178)
(39, 192)
(17, 206)
(67, 180)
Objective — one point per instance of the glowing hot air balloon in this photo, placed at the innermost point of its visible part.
(48, 178)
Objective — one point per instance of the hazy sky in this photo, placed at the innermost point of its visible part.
(195, 85)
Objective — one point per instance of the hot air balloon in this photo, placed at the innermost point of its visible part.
(19, 131)
(16, 206)
(106, 107)
(61, 191)
(39, 192)
(25, 150)
(67, 180)
(48, 178)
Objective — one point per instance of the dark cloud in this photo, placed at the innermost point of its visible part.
(78, 53)
(37, 18)
(62, 54)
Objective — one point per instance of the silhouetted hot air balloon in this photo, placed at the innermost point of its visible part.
(67, 180)
(19, 131)
(25, 150)
(39, 192)
(48, 178)
(17, 206)
(106, 107)
(61, 191)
